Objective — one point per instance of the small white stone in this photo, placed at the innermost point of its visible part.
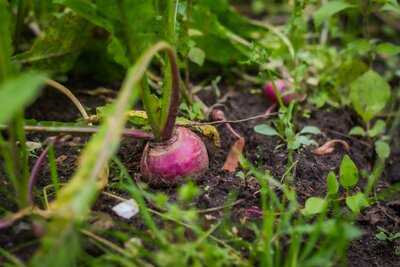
(126, 209)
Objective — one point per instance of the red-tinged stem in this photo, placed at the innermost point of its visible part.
(36, 168)
(134, 133)
(168, 129)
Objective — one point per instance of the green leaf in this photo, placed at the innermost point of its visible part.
(360, 46)
(350, 70)
(91, 12)
(392, 6)
(357, 131)
(348, 173)
(382, 149)
(310, 130)
(302, 140)
(196, 55)
(381, 236)
(118, 52)
(5, 40)
(17, 92)
(379, 128)
(215, 38)
(328, 10)
(388, 49)
(60, 46)
(265, 129)
(369, 94)
(332, 184)
(314, 205)
(357, 202)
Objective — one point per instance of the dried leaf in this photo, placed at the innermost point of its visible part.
(232, 161)
(329, 147)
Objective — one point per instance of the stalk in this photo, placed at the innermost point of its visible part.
(170, 101)
(170, 98)
(82, 130)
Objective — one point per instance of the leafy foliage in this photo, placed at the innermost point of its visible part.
(59, 47)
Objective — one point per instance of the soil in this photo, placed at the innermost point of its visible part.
(264, 152)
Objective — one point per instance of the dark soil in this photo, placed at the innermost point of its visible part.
(217, 185)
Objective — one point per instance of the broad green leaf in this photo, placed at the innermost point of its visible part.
(348, 173)
(329, 9)
(196, 55)
(118, 52)
(60, 45)
(369, 94)
(314, 205)
(357, 202)
(5, 40)
(265, 129)
(310, 130)
(379, 128)
(91, 12)
(357, 130)
(216, 40)
(388, 49)
(349, 71)
(332, 184)
(18, 92)
(382, 149)
(392, 6)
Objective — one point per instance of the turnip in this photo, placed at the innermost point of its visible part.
(281, 87)
(168, 162)
(176, 152)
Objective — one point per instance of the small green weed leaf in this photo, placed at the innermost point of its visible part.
(310, 130)
(348, 173)
(388, 49)
(302, 140)
(17, 92)
(332, 184)
(381, 236)
(369, 94)
(379, 128)
(357, 202)
(188, 191)
(314, 205)
(265, 129)
(382, 149)
(197, 55)
(357, 131)
(328, 10)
